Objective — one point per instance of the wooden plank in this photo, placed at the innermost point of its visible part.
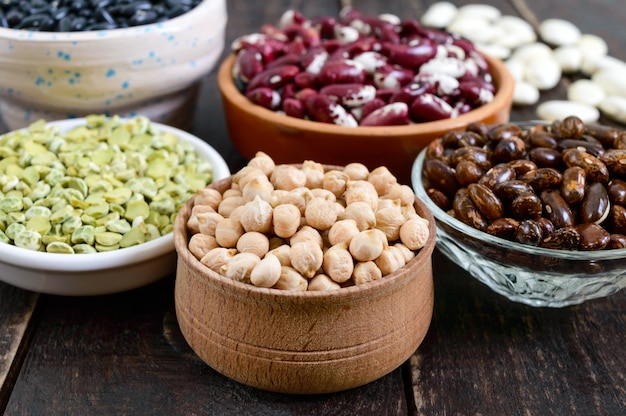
(16, 311)
(486, 355)
(124, 354)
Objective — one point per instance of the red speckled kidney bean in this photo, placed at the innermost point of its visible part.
(446, 74)
(394, 114)
(499, 182)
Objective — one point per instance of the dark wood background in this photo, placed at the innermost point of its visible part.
(123, 354)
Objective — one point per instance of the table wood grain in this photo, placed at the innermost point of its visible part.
(123, 354)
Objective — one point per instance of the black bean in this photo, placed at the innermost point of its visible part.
(79, 15)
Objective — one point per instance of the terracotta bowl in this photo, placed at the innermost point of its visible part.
(303, 342)
(291, 140)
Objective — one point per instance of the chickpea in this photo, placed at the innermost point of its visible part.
(338, 263)
(356, 171)
(234, 190)
(193, 221)
(259, 186)
(414, 233)
(200, 244)
(365, 272)
(282, 252)
(389, 221)
(240, 267)
(207, 197)
(267, 272)
(362, 191)
(336, 182)
(298, 197)
(291, 279)
(406, 252)
(245, 174)
(256, 215)
(253, 242)
(227, 232)
(217, 257)
(286, 219)
(207, 222)
(306, 233)
(263, 162)
(342, 231)
(306, 257)
(367, 245)
(390, 260)
(314, 173)
(362, 213)
(288, 177)
(320, 213)
(382, 180)
(322, 282)
(228, 204)
(404, 193)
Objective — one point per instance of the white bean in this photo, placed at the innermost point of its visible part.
(612, 81)
(483, 11)
(439, 15)
(591, 66)
(560, 109)
(614, 107)
(592, 46)
(525, 93)
(585, 91)
(559, 32)
(544, 73)
(515, 32)
(569, 57)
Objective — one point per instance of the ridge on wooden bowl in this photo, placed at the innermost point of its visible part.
(291, 140)
(303, 342)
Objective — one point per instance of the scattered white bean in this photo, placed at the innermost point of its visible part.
(483, 11)
(476, 29)
(525, 93)
(558, 32)
(515, 32)
(585, 91)
(439, 15)
(493, 49)
(559, 109)
(591, 66)
(516, 68)
(615, 108)
(612, 81)
(532, 51)
(592, 46)
(569, 57)
(544, 73)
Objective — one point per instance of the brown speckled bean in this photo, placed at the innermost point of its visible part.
(559, 186)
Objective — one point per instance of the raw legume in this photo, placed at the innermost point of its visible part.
(59, 194)
(317, 236)
(562, 189)
(85, 15)
(361, 70)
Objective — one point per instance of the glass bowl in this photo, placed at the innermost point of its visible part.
(531, 275)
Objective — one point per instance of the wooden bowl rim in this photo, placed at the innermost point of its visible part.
(367, 289)
(503, 79)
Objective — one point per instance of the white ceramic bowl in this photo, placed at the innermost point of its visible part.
(102, 272)
(152, 70)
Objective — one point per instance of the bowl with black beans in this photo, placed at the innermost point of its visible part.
(62, 59)
(534, 210)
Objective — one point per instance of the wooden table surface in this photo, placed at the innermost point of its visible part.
(123, 354)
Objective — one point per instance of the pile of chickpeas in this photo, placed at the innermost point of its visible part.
(306, 227)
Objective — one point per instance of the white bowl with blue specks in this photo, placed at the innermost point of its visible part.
(153, 70)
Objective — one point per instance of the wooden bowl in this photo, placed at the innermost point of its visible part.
(291, 140)
(303, 342)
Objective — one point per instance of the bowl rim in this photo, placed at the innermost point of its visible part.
(210, 277)
(55, 262)
(502, 98)
(181, 21)
(440, 215)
